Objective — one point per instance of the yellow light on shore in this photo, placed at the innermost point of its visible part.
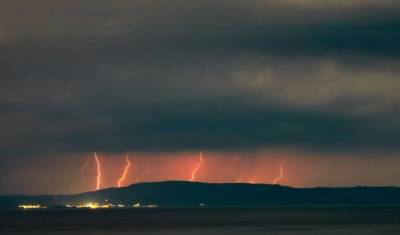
(30, 206)
(91, 205)
(95, 205)
(136, 205)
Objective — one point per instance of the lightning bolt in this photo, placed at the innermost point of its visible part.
(196, 169)
(281, 173)
(98, 164)
(236, 175)
(85, 165)
(125, 173)
(143, 173)
(147, 170)
(235, 171)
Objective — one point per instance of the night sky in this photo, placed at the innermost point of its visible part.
(310, 85)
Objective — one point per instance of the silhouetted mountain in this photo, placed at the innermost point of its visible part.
(183, 194)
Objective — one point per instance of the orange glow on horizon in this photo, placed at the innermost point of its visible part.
(98, 178)
(125, 173)
(294, 169)
(281, 173)
(196, 169)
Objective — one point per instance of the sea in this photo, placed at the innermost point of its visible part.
(276, 220)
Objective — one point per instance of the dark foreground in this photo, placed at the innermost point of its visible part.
(268, 220)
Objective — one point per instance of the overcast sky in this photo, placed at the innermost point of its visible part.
(156, 77)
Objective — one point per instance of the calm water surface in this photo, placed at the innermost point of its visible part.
(268, 220)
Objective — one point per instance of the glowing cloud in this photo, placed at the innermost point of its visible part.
(98, 178)
(125, 173)
(196, 169)
(281, 173)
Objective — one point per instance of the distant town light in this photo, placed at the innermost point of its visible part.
(30, 206)
(136, 205)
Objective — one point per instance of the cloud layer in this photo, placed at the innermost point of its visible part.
(79, 76)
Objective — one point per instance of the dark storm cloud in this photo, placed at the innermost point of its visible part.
(171, 75)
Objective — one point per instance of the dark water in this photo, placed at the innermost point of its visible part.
(270, 220)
